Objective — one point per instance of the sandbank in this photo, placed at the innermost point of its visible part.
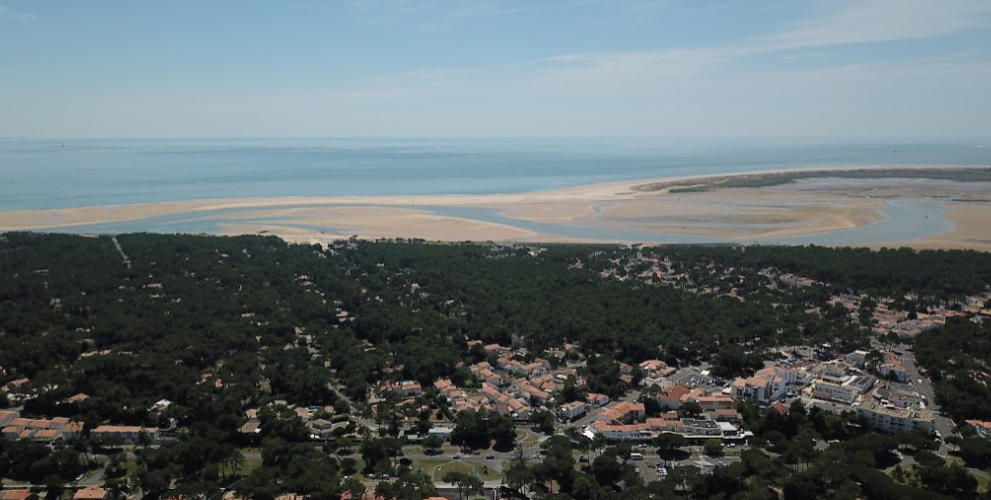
(733, 208)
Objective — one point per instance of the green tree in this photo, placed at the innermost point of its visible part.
(517, 474)
(713, 447)
(543, 421)
(432, 444)
(667, 442)
(689, 409)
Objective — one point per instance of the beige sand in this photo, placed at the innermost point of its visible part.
(802, 208)
(378, 222)
(972, 230)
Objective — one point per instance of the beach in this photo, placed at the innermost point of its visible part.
(755, 207)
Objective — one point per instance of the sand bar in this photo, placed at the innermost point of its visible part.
(747, 207)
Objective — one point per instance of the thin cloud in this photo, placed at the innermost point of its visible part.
(860, 21)
(12, 14)
(857, 21)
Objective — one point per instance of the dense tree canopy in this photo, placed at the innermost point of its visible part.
(220, 324)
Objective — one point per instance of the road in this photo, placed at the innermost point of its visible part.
(648, 466)
(941, 424)
(371, 425)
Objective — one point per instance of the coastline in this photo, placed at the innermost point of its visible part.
(746, 207)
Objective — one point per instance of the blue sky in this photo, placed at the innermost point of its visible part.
(225, 68)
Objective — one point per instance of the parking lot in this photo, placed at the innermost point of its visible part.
(692, 377)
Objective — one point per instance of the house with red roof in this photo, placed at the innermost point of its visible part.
(778, 407)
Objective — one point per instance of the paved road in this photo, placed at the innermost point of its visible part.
(372, 426)
(942, 424)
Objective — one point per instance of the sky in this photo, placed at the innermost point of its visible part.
(520, 68)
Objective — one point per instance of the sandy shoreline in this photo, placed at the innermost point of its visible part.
(811, 206)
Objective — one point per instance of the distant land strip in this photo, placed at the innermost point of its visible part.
(767, 179)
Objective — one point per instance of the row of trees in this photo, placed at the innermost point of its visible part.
(956, 357)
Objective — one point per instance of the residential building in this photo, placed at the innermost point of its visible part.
(856, 358)
(654, 368)
(125, 432)
(901, 413)
(844, 388)
(769, 384)
(573, 410)
(596, 399)
(713, 403)
(7, 416)
(777, 407)
(409, 388)
(725, 415)
(671, 398)
(44, 430)
(623, 413)
(983, 428)
(92, 493)
(18, 494)
(888, 418)
(893, 368)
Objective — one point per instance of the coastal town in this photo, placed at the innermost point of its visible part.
(548, 392)
(495, 250)
(879, 384)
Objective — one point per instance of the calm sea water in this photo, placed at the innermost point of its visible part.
(51, 174)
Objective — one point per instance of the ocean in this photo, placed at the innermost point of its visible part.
(52, 174)
(39, 174)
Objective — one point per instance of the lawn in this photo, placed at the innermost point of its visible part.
(248, 466)
(483, 472)
(982, 482)
(428, 464)
(527, 439)
(453, 466)
(436, 468)
(132, 467)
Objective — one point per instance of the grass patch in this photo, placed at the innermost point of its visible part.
(133, 468)
(436, 468)
(690, 189)
(248, 466)
(983, 482)
(453, 466)
(483, 472)
(528, 440)
(760, 181)
(428, 464)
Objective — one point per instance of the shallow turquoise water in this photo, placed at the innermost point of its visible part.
(53, 174)
(903, 221)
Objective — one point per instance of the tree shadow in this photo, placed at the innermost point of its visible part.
(674, 455)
